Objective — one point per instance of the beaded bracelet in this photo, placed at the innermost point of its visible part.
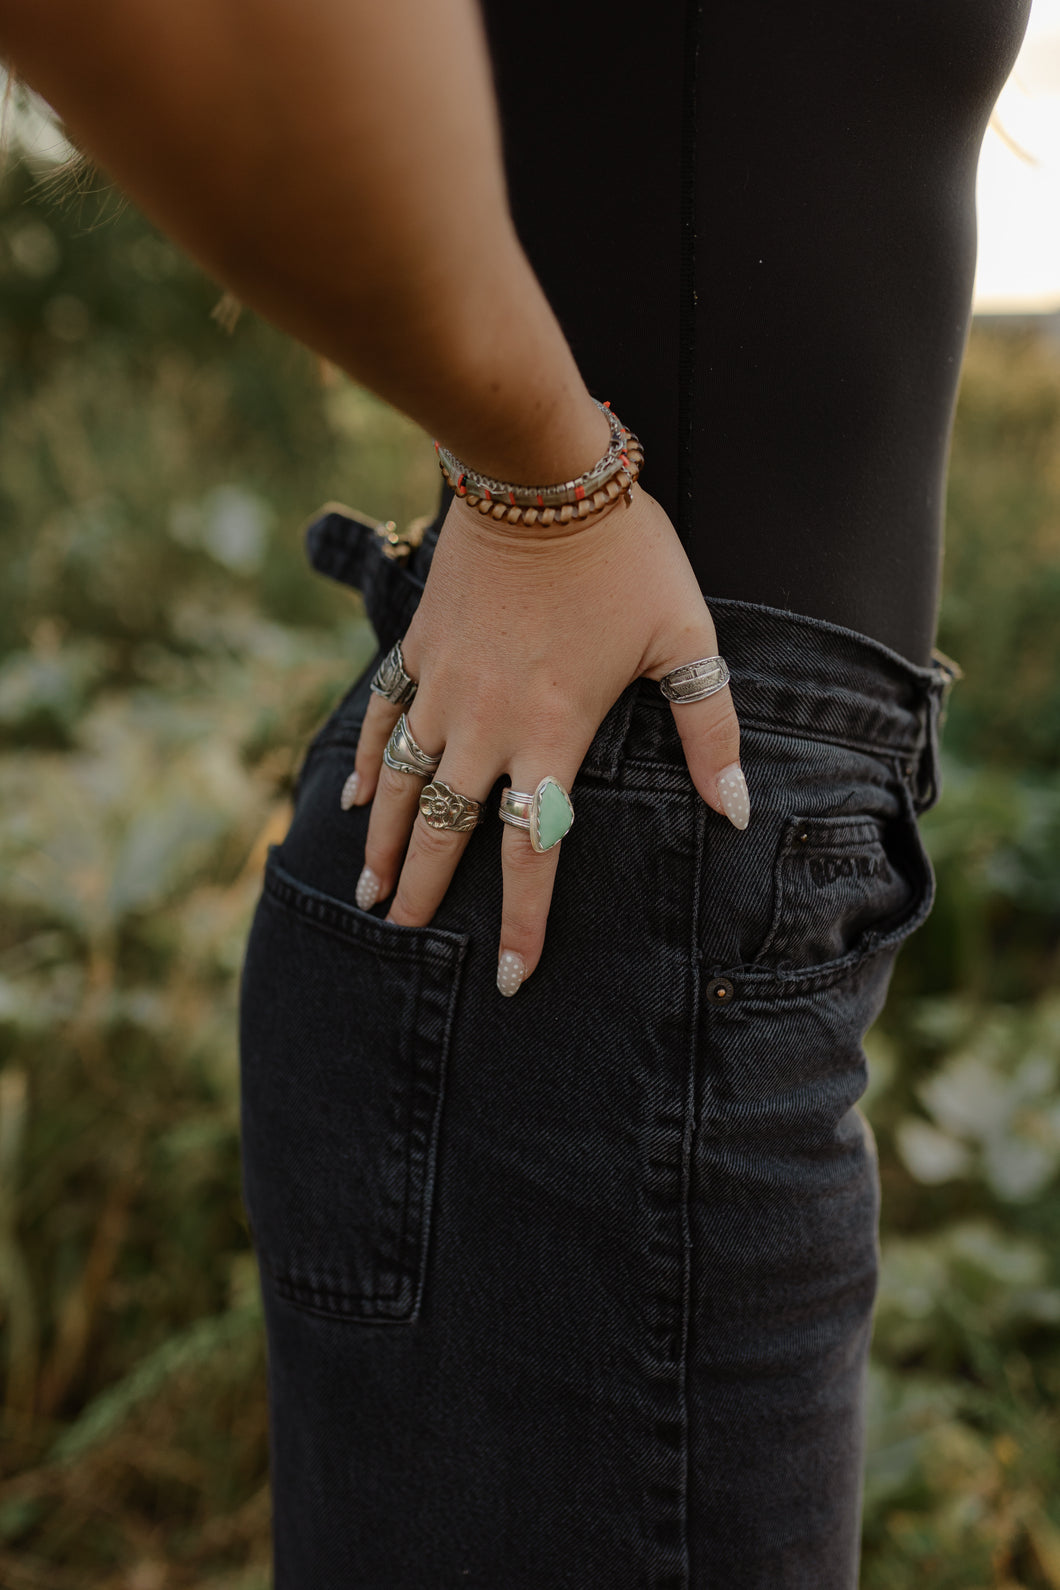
(609, 477)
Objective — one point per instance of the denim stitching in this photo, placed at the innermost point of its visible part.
(342, 920)
(688, 1150)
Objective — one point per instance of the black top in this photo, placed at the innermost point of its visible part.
(756, 223)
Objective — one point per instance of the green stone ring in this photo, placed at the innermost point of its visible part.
(547, 813)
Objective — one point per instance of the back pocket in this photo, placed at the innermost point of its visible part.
(344, 1035)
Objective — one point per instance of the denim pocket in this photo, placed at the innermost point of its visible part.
(843, 887)
(344, 1035)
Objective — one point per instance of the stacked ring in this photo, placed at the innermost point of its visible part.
(547, 814)
(404, 755)
(695, 681)
(392, 682)
(442, 807)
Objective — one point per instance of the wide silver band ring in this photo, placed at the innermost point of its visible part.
(392, 682)
(547, 814)
(442, 807)
(515, 808)
(695, 681)
(402, 753)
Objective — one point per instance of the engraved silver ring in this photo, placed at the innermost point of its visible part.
(695, 681)
(441, 806)
(404, 755)
(392, 681)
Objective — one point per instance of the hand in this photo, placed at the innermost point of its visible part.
(521, 643)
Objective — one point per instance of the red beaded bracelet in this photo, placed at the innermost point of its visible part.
(609, 477)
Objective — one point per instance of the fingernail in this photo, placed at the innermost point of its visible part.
(367, 891)
(348, 797)
(732, 789)
(511, 969)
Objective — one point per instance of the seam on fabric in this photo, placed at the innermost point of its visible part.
(687, 1153)
(685, 505)
(432, 946)
(293, 1289)
(686, 359)
(849, 742)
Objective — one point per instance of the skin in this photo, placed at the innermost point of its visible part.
(355, 196)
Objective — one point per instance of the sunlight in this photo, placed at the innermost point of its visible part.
(1018, 190)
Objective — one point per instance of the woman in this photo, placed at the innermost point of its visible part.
(575, 1287)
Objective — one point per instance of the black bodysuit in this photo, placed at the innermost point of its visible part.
(756, 223)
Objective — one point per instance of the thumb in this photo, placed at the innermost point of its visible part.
(710, 736)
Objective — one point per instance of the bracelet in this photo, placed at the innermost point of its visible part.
(609, 477)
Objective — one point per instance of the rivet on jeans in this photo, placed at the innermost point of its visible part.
(720, 991)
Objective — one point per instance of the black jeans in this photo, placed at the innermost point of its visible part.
(575, 1289)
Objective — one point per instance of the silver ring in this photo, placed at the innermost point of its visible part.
(392, 682)
(695, 681)
(515, 808)
(402, 753)
(442, 807)
(547, 813)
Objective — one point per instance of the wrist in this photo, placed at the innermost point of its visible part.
(566, 502)
(545, 436)
(522, 411)
(564, 436)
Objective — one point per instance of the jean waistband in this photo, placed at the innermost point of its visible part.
(790, 672)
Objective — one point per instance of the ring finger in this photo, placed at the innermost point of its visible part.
(461, 783)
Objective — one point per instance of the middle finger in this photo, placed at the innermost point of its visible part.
(462, 781)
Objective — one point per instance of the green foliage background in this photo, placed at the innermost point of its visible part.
(164, 653)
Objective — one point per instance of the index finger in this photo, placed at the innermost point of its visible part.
(707, 723)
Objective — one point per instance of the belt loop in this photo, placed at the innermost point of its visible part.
(353, 549)
(946, 672)
(927, 775)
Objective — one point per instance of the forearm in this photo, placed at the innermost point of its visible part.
(337, 164)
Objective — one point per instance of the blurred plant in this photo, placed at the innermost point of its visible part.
(993, 1103)
(129, 865)
(1002, 587)
(164, 654)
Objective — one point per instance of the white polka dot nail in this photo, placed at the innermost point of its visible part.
(732, 790)
(367, 891)
(349, 791)
(511, 969)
